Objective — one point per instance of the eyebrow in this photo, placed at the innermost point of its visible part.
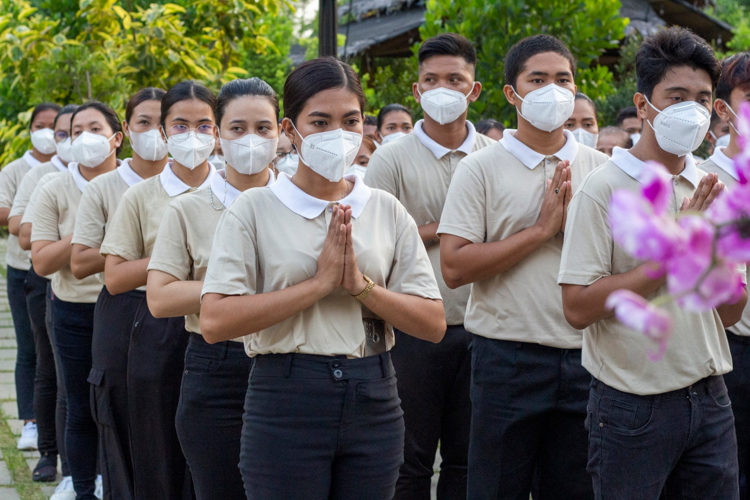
(544, 73)
(144, 116)
(178, 119)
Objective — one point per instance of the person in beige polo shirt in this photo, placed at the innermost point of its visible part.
(97, 136)
(733, 89)
(502, 232)
(314, 272)
(662, 425)
(156, 350)
(433, 380)
(214, 383)
(113, 316)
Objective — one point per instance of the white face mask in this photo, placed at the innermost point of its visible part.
(43, 140)
(190, 149)
(723, 141)
(149, 145)
(392, 137)
(680, 128)
(250, 153)
(635, 138)
(217, 161)
(357, 170)
(65, 150)
(547, 108)
(443, 105)
(329, 153)
(585, 137)
(288, 164)
(90, 150)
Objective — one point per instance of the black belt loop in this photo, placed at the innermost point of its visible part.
(224, 349)
(288, 368)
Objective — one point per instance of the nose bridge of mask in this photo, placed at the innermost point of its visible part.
(447, 89)
(325, 137)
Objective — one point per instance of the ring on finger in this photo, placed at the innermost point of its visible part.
(557, 190)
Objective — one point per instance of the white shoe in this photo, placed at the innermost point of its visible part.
(28, 438)
(99, 491)
(64, 490)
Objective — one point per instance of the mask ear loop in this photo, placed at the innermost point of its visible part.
(735, 115)
(299, 153)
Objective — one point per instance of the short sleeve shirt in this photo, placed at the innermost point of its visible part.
(186, 234)
(54, 219)
(494, 195)
(30, 181)
(417, 171)
(271, 238)
(613, 353)
(10, 179)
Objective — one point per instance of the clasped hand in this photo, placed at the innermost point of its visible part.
(337, 263)
(557, 196)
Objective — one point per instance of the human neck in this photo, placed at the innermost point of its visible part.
(41, 157)
(90, 173)
(450, 136)
(648, 149)
(192, 178)
(545, 143)
(733, 149)
(145, 168)
(243, 182)
(318, 186)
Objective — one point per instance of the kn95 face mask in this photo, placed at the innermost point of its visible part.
(190, 149)
(249, 154)
(90, 150)
(329, 153)
(680, 128)
(443, 105)
(547, 108)
(43, 141)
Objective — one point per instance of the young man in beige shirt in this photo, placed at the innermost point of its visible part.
(664, 425)
(433, 380)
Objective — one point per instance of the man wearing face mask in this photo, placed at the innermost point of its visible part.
(433, 380)
(502, 230)
(665, 425)
(717, 136)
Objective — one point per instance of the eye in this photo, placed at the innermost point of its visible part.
(237, 129)
(563, 80)
(319, 123)
(205, 129)
(407, 127)
(143, 122)
(537, 80)
(263, 129)
(352, 122)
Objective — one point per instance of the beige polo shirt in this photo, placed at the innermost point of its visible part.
(186, 234)
(496, 193)
(613, 353)
(10, 179)
(30, 181)
(417, 170)
(132, 232)
(271, 238)
(54, 219)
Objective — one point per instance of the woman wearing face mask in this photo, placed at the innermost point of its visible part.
(286, 272)
(96, 137)
(287, 158)
(113, 318)
(394, 122)
(582, 123)
(214, 383)
(359, 167)
(157, 346)
(17, 260)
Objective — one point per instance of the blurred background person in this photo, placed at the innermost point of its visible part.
(611, 137)
(366, 149)
(491, 128)
(627, 119)
(394, 122)
(371, 128)
(582, 123)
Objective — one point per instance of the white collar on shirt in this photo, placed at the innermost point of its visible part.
(440, 151)
(225, 192)
(724, 162)
(30, 160)
(634, 167)
(308, 207)
(56, 161)
(75, 170)
(128, 174)
(531, 158)
(174, 186)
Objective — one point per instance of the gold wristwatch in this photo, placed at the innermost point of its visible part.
(364, 293)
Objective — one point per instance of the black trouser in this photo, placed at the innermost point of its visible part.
(738, 386)
(528, 412)
(156, 358)
(45, 381)
(74, 324)
(113, 321)
(321, 427)
(26, 352)
(61, 412)
(209, 416)
(433, 384)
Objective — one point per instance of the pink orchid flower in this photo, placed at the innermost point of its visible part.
(637, 313)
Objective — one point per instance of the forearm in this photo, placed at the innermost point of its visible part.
(428, 233)
(50, 257)
(85, 261)
(472, 262)
(4, 212)
(24, 237)
(419, 317)
(225, 317)
(14, 225)
(585, 305)
(731, 314)
(122, 276)
(178, 298)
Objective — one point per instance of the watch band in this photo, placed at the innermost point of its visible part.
(364, 293)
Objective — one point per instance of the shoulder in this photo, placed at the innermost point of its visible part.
(197, 200)
(143, 189)
(396, 150)
(386, 204)
(254, 201)
(16, 164)
(590, 157)
(605, 179)
(482, 141)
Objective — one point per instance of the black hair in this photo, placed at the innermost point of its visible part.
(522, 51)
(185, 90)
(68, 109)
(669, 48)
(143, 95)
(245, 87)
(627, 141)
(390, 109)
(625, 113)
(315, 76)
(45, 106)
(447, 44)
(735, 73)
(484, 126)
(371, 120)
(109, 115)
(583, 97)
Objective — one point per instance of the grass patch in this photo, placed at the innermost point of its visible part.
(19, 470)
